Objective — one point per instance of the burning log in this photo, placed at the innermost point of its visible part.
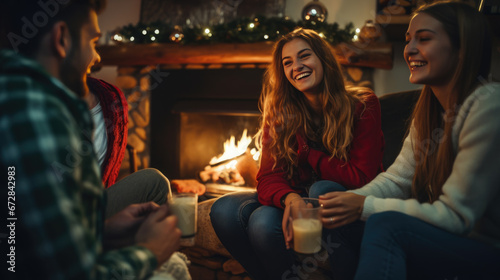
(241, 170)
(224, 172)
(236, 166)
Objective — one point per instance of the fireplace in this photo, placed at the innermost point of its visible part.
(194, 111)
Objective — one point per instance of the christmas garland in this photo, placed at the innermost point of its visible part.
(241, 30)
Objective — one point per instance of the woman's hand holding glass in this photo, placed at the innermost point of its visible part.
(341, 208)
(287, 220)
(303, 225)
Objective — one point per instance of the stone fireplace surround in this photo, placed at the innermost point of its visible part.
(167, 87)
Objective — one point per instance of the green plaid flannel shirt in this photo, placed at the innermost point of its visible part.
(45, 134)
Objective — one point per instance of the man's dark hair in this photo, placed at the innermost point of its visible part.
(24, 22)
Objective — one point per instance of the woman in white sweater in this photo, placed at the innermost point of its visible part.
(435, 213)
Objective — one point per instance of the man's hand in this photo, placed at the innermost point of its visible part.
(340, 208)
(120, 229)
(159, 233)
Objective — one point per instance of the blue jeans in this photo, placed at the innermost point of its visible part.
(343, 246)
(398, 246)
(252, 232)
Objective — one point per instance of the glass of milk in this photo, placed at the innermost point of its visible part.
(185, 207)
(306, 225)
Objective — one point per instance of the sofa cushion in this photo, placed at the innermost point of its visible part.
(396, 113)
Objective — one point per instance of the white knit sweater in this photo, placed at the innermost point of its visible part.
(470, 203)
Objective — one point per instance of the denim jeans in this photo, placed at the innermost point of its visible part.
(252, 232)
(398, 246)
(343, 245)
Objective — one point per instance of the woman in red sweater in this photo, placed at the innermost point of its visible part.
(317, 136)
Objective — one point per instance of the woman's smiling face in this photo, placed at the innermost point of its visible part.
(302, 66)
(429, 53)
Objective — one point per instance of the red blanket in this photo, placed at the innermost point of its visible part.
(115, 110)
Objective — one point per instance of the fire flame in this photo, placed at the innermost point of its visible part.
(235, 165)
(231, 150)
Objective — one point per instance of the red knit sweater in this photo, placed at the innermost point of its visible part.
(115, 109)
(365, 160)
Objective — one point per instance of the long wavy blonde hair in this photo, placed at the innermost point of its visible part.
(286, 111)
(468, 31)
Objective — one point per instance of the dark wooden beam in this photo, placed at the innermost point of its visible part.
(376, 55)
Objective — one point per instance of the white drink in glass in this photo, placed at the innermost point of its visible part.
(185, 206)
(306, 235)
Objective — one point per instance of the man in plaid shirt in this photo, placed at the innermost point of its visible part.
(46, 149)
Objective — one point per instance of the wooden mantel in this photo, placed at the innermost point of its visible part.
(375, 55)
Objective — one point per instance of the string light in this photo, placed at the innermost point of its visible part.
(208, 32)
(356, 37)
(240, 30)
